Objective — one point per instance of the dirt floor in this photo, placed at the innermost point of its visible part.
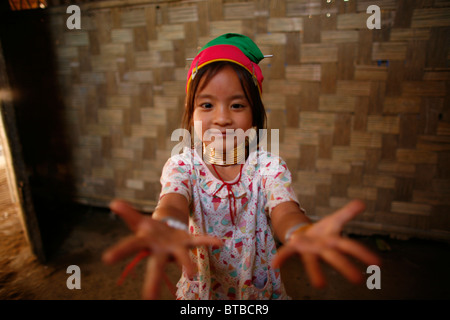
(413, 269)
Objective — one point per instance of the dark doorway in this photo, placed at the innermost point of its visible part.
(34, 125)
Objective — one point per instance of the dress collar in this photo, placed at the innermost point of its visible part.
(211, 185)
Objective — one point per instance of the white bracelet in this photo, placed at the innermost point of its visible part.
(175, 223)
(295, 228)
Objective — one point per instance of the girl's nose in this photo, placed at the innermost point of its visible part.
(222, 116)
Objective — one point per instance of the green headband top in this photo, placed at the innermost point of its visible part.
(244, 43)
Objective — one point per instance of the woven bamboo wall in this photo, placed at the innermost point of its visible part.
(362, 113)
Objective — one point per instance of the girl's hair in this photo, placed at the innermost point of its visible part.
(251, 92)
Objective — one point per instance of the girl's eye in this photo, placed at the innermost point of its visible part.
(206, 105)
(237, 106)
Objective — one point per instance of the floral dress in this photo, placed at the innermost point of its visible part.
(240, 269)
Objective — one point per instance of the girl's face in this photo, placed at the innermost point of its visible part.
(221, 104)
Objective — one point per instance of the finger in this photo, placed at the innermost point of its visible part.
(358, 251)
(342, 265)
(349, 211)
(205, 241)
(122, 250)
(131, 216)
(282, 255)
(183, 258)
(153, 276)
(312, 267)
(297, 247)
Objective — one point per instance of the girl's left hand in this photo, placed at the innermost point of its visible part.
(323, 241)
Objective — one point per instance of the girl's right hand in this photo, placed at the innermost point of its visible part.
(163, 242)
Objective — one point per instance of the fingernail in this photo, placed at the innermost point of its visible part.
(105, 257)
(108, 257)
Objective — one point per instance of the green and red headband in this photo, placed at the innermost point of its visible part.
(230, 47)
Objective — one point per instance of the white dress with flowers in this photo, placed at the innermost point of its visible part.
(240, 269)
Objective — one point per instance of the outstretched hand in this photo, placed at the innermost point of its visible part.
(323, 241)
(163, 243)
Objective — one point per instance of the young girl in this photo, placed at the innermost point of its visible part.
(221, 208)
